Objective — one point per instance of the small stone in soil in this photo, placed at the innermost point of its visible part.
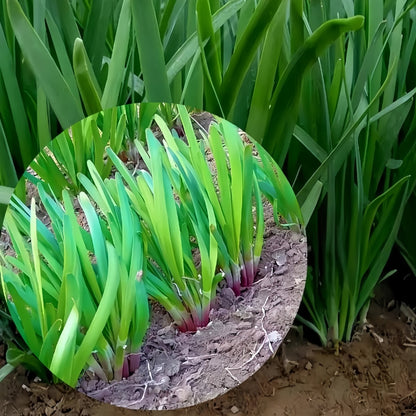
(291, 252)
(245, 315)
(49, 411)
(167, 330)
(274, 336)
(224, 347)
(183, 394)
(244, 325)
(258, 335)
(280, 258)
(234, 410)
(51, 403)
(170, 366)
(308, 366)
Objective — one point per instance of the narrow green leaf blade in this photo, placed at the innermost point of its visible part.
(87, 83)
(151, 54)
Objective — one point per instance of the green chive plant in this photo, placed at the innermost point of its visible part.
(235, 189)
(77, 297)
(356, 109)
(172, 277)
(17, 353)
(231, 196)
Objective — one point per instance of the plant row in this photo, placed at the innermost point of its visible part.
(78, 289)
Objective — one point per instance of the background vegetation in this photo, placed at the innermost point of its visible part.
(327, 87)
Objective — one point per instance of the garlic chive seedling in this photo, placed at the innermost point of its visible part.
(235, 175)
(183, 287)
(230, 185)
(129, 319)
(77, 296)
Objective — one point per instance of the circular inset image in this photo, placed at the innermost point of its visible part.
(159, 259)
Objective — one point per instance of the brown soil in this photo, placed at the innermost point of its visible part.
(373, 375)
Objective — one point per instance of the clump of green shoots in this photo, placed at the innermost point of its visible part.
(172, 231)
(230, 186)
(76, 296)
(233, 180)
(172, 235)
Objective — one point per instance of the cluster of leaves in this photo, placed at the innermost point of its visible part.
(76, 298)
(340, 118)
(359, 129)
(59, 164)
(77, 291)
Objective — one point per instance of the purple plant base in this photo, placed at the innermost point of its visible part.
(248, 272)
(233, 278)
(134, 361)
(243, 277)
(196, 320)
(130, 364)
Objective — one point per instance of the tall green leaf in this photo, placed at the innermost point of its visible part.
(87, 83)
(244, 52)
(285, 101)
(149, 44)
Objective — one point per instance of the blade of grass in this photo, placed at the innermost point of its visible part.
(25, 144)
(62, 360)
(96, 30)
(36, 278)
(193, 90)
(100, 317)
(288, 91)
(190, 46)
(341, 150)
(210, 53)
(66, 20)
(63, 57)
(266, 74)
